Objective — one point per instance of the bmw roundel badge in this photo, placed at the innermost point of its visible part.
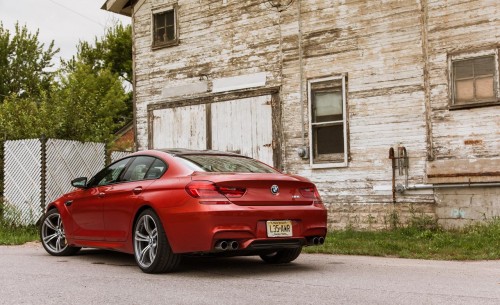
(275, 189)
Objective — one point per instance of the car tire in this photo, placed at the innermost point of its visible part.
(53, 236)
(281, 256)
(152, 250)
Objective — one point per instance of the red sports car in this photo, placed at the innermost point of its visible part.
(162, 204)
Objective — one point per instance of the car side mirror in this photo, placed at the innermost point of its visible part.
(80, 183)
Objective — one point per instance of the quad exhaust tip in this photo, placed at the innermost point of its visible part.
(234, 245)
(225, 245)
(221, 245)
(316, 240)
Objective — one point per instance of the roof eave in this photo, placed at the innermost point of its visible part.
(122, 7)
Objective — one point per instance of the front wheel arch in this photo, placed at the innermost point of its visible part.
(52, 234)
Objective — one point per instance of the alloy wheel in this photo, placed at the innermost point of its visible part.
(53, 236)
(146, 241)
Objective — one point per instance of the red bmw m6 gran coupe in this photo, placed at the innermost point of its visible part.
(162, 204)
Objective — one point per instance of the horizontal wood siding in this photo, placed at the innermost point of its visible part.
(179, 127)
(208, 48)
(458, 26)
(378, 45)
(395, 56)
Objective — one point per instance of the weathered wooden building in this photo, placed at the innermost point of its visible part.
(324, 89)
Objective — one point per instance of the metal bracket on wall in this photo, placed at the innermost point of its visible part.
(402, 164)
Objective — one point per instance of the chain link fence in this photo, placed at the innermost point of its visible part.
(37, 171)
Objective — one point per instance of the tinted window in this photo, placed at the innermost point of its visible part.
(137, 170)
(156, 170)
(229, 164)
(110, 174)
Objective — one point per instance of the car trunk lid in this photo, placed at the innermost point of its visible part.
(249, 189)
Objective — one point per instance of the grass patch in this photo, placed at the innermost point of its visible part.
(12, 234)
(17, 235)
(476, 242)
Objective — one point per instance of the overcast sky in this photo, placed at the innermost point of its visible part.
(64, 21)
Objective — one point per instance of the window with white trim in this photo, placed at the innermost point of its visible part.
(474, 79)
(327, 122)
(165, 32)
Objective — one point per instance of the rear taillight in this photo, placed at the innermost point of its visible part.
(209, 190)
(231, 192)
(310, 193)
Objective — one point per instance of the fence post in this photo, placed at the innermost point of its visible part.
(43, 180)
(2, 143)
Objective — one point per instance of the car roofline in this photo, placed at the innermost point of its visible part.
(175, 152)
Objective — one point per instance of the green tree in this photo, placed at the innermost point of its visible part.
(90, 104)
(88, 101)
(112, 51)
(24, 63)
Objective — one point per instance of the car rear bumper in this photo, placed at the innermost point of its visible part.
(195, 227)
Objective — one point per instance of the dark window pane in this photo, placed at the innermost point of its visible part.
(159, 21)
(109, 174)
(160, 36)
(156, 170)
(170, 33)
(484, 66)
(463, 69)
(229, 164)
(137, 170)
(170, 18)
(329, 140)
(164, 27)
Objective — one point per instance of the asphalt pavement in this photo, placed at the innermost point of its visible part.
(28, 275)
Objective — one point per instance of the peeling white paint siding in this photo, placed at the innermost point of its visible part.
(455, 27)
(180, 127)
(462, 136)
(378, 45)
(395, 54)
(207, 47)
(244, 126)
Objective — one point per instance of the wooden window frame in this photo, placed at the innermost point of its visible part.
(344, 163)
(452, 59)
(161, 10)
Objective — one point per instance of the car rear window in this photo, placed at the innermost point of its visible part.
(227, 164)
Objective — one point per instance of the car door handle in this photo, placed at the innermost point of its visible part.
(137, 190)
(101, 194)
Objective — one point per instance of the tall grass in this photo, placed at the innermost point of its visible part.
(420, 238)
(12, 234)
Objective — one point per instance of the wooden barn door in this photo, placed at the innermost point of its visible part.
(243, 126)
(180, 127)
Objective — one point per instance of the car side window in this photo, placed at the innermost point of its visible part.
(156, 170)
(138, 169)
(110, 174)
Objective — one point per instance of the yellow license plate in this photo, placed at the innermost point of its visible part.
(279, 228)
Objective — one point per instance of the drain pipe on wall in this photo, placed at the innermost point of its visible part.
(302, 151)
(401, 188)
